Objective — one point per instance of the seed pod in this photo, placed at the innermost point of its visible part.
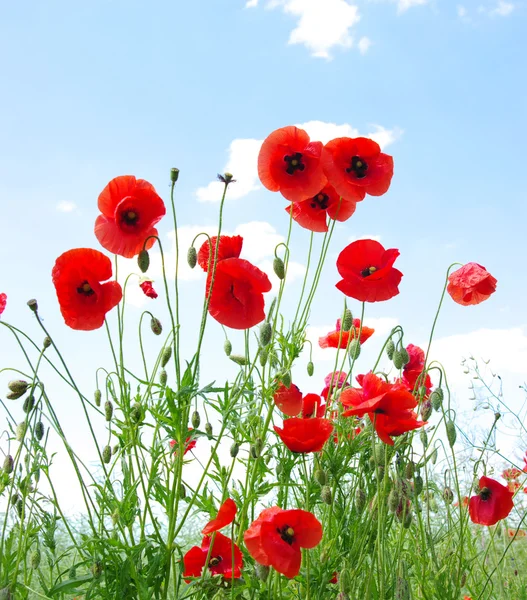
(21, 431)
(397, 360)
(47, 342)
(425, 410)
(155, 326)
(136, 413)
(108, 410)
(208, 430)
(227, 346)
(39, 430)
(174, 174)
(166, 356)
(106, 455)
(286, 379)
(33, 305)
(97, 397)
(418, 484)
(360, 499)
(451, 433)
(34, 560)
(279, 268)
(9, 464)
(235, 448)
(320, 476)
(18, 386)
(404, 356)
(354, 349)
(436, 399)
(196, 419)
(262, 572)
(326, 495)
(266, 333)
(390, 348)
(163, 376)
(238, 359)
(143, 260)
(192, 257)
(347, 320)
(409, 470)
(424, 438)
(29, 404)
(310, 368)
(264, 353)
(448, 495)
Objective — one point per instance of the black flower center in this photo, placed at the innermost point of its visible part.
(130, 216)
(287, 534)
(320, 201)
(358, 166)
(294, 163)
(85, 289)
(215, 560)
(367, 272)
(485, 493)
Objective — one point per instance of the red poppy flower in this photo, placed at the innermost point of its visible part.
(290, 164)
(230, 247)
(356, 167)
(513, 486)
(335, 578)
(225, 517)
(130, 208)
(367, 271)
(493, 503)
(413, 369)
(3, 302)
(237, 296)
(288, 400)
(276, 537)
(516, 533)
(335, 380)
(148, 289)
(471, 284)
(305, 435)
(331, 340)
(190, 443)
(312, 213)
(312, 406)
(220, 558)
(512, 473)
(83, 299)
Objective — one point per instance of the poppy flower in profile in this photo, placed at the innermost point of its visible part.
(276, 537)
(412, 371)
(356, 167)
(312, 213)
(289, 163)
(83, 299)
(229, 247)
(338, 339)
(148, 289)
(305, 435)
(225, 517)
(312, 406)
(288, 399)
(367, 271)
(190, 443)
(333, 381)
(3, 302)
(471, 284)
(492, 503)
(237, 295)
(220, 558)
(130, 208)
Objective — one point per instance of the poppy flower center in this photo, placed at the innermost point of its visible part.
(287, 534)
(215, 561)
(485, 494)
(320, 200)
(129, 217)
(85, 289)
(358, 166)
(367, 272)
(294, 163)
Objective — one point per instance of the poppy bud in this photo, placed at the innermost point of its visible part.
(13, 395)
(325, 495)
(9, 464)
(360, 499)
(418, 484)
(227, 347)
(433, 456)
(266, 333)
(286, 379)
(108, 410)
(380, 455)
(174, 174)
(47, 342)
(310, 368)
(33, 305)
(235, 448)
(264, 353)
(208, 430)
(279, 268)
(166, 356)
(451, 433)
(21, 431)
(155, 326)
(256, 448)
(115, 449)
(448, 495)
(422, 391)
(106, 454)
(192, 257)
(97, 397)
(34, 560)
(404, 356)
(425, 410)
(39, 430)
(238, 359)
(196, 419)
(262, 572)
(354, 349)
(347, 320)
(397, 360)
(20, 507)
(424, 438)
(390, 348)
(436, 399)
(394, 499)
(96, 569)
(136, 413)
(410, 470)
(143, 260)
(18, 386)
(29, 404)
(320, 476)
(163, 376)
(182, 491)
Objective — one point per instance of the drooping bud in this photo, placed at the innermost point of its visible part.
(208, 430)
(425, 410)
(279, 268)
(264, 353)
(192, 257)
(409, 470)
(347, 320)
(196, 419)
(448, 495)
(436, 397)
(115, 449)
(310, 368)
(360, 499)
(29, 404)
(39, 430)
(235, 448)
(174, 174)
(18, 386)
(155, 326)
(163, 377)
(166, 356)
(266, 333)
(34, 560)
(97, 397)
(238, 359)
(433, 456)
(418, 484)
(286, 379)
(326, 495)
(227, 346)
(143, 260)
(108, 410)
(404, 356)
(394, 499)
(320, 476)
(397, 360)
(136, 413)
(424, 438)
(354, 349)
(262, 572)
(256, 448)
(33, 305)
(21, 431)
(20, 507)
(106, 454)
(390, 348)
(451, 433)
(47, 342)
(9, 464)
(380, 454)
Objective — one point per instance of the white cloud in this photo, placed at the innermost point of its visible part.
(251, 3)
(364, 44)
(461, 11)
(66, 206)
(502, 9)
(404, 5)
(243, 157)
(354, 238)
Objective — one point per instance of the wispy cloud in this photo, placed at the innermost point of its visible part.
(66, 206)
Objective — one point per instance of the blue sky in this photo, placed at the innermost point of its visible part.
(99, 89)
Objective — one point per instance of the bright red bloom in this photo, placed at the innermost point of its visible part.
(83, 299)
(290, 164)
(230, 247)
(493, 503)
(513, 486)
(356, 167)
(367, 271)
(130, 208)
(331, 340)
(148, 289)
(237, 296)
(471, 284)
(413, 369)
(220, 560)
(225, 517)
(276, 537)
(335, 578)
(334, 380)
(516, 533)
(312, 213)
(512, 473)
(305, 435)
(3, 302)
(312, 406)
(288, 400)
(190, 443)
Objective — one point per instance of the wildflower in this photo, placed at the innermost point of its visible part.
(225, 516)
(333, 381)
(312, 213)
(305, 435)
(229, 247)
(289, 163)
(471, 284)
(148, 289)
(516, 533)
(413, 369)
(83, 299)
(3, 302)
(340, 339)
(190, 443)
(276, 537)
(288, 400)
(130, 208)
(492, 503)
(356, 167)
(220, 558)
(512, 473)
(312, 406)
(367, 271)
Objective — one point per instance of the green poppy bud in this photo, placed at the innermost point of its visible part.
(310, 368)
(320, 476)
(136, 413)
(143, 260)
(264, 353)
(18, 386)
(354, 349)
(451, 433)
(208, 430)
(29, 404)
(235, 448)
(394, 499)
(397, 360)
(163, 377)
(380, 454)
(404, 356)
(347, 320)
(166, 356)
(174, 174)
(266, 333)
(436, 398)
(39, 430)
(424, 438)
(433, 456)
(326, 495)
(192, 257)
(422, 391)
(21, 431)
(409, 470)
(448, 495)
(182, 491)
(9, 464)
(106, 455)
(108, 410)
(47, 342)
(20, 507)
(227, 346)
(155, 326)
(425, 410)
(97, 397)
(360, 499)
(238, 359)
(115, 449)
(279, 268)
(196, 419)
(418, 484)
(390, 348)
